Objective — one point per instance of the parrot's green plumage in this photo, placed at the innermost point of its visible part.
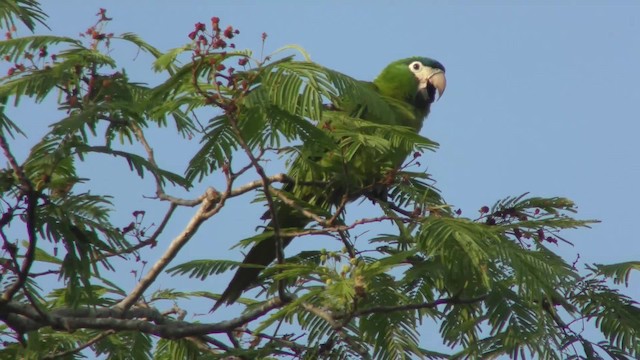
(410, 86)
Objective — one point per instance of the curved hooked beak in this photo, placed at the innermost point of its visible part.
(439, 81)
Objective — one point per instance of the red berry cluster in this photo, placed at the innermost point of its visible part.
(30, 58)
(34, 61)
(210, 54)
(507, 216)
(95, 32)
(9, 34)
(216, 40)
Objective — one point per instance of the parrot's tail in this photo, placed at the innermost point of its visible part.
(261, 254)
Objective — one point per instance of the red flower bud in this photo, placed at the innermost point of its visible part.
(228, 32)
(218, 43)
(215, 23)
(517, 233)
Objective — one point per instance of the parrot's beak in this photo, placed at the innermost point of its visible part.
(432, 81)
(439, 81)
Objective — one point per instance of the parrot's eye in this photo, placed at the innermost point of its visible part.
(415, 66)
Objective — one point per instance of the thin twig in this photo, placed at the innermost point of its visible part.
(152, 240)
(311, 215)
(343, 203)
(150, 157)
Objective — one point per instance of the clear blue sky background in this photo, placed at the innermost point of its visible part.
(540, 98)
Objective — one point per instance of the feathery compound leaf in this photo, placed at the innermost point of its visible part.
(14, 49)
(219, 143)
(29, 12)
(470, 244)
(139, 164)
(202, 269)
(616, 315)
(126, 345)
(6, 125)
(38, 83)
(620, 272)
(136, 40)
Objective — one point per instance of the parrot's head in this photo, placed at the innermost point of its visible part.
(415, 80)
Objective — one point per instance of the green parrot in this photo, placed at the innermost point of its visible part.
(410, 87)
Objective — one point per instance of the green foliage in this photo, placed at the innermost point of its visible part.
(620, 273)
(125, 345)
(176, 349)
(28, 12)
(485, 287)
(202, 268)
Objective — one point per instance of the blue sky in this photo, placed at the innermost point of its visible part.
(540, 99)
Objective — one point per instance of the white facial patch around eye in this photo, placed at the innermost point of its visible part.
(415, 66)
(423, 73)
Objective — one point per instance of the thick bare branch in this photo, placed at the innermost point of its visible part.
(24, 318)
(171, 252)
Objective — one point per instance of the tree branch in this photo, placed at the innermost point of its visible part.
(337, 327)
(172, 250)
(390, 309)
(31, 200)
(24, 318)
